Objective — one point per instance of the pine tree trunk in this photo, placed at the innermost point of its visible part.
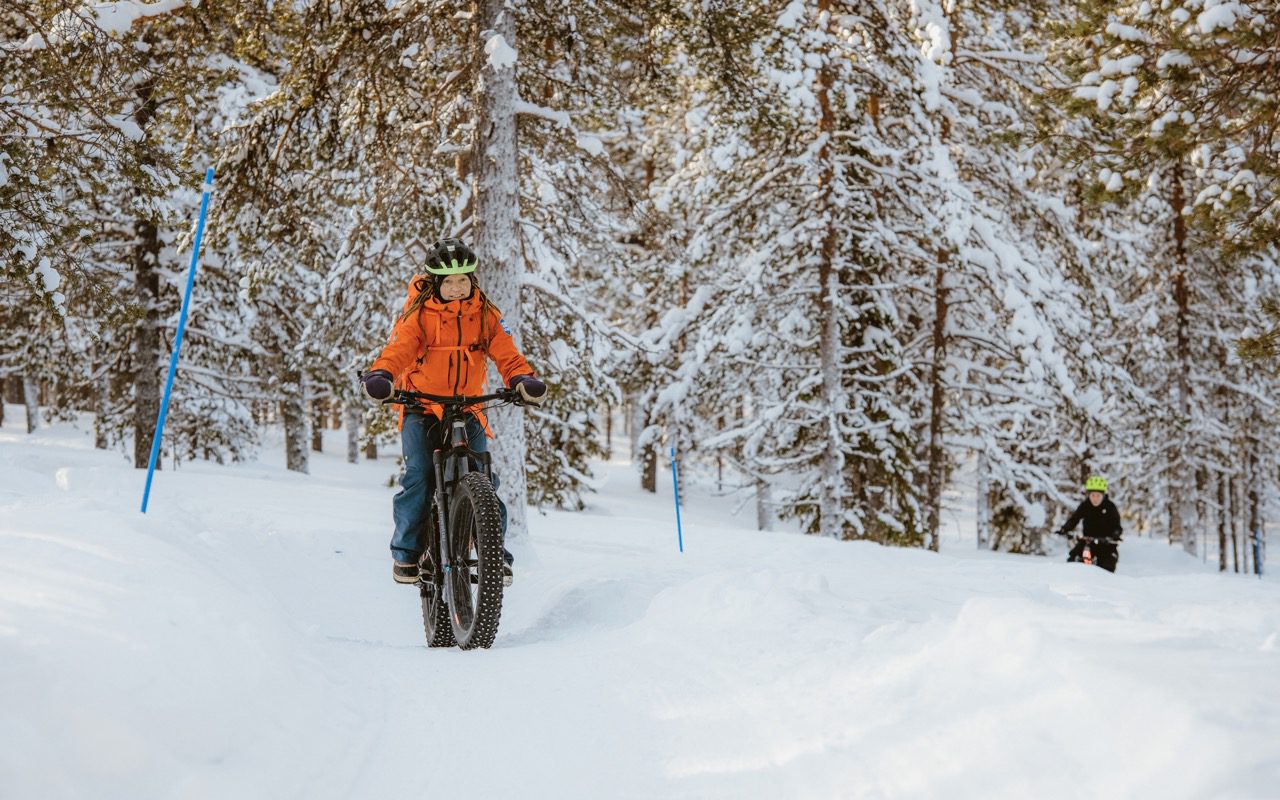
(983, 513)
(1231, 518)
(645, 454)
(1240, 522)
(649, 470)
(353, 416)
(1179, 469)
(1222, 524)
(147, 348)
(293, 410)
(764, 505)
(31, 399)
(147, 353)
(371, 449)
(317, 426)
(101, 405)
(497, 238)
(1255, 518)
(830, 522)
(831, 467)
(608, 432)
(633, 426)
(101, 396)
(933, 499)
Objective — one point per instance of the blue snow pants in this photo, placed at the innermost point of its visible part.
(419, 436)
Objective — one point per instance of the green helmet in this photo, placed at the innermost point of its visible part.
(450, 257)
(1096, 483)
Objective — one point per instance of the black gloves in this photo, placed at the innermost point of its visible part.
(377, 384)
(532, 390)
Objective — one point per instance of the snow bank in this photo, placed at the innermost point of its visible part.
(244, 639)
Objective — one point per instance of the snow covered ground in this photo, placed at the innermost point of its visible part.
(244, 640)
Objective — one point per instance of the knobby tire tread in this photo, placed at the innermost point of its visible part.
(475, 491)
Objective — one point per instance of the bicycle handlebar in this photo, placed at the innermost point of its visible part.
(1094, 539)
(407, 397)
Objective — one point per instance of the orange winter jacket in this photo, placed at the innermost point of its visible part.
(441, 349)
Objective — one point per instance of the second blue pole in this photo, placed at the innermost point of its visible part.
(675, 487)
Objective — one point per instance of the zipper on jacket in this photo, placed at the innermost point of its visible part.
(458, 375)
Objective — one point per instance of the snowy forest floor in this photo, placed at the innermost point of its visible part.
(244, 639)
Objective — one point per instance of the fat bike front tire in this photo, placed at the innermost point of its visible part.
(475, 583)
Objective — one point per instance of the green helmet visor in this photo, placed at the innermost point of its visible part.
(454, 267)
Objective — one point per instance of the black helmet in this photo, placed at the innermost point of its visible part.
(450, 257)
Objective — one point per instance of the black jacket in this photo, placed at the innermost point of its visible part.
(1100, 522)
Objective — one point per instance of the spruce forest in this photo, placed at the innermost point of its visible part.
(836, 253)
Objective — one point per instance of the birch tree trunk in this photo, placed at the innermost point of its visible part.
(293, 411)
(353, 433)
(31, 398)
(497, 231)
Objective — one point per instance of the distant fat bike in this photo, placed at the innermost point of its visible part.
(1099, 551)
(461, 569)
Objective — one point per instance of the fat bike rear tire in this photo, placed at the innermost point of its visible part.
(475, 533)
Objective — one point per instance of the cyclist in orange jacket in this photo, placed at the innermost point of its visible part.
(439, 345)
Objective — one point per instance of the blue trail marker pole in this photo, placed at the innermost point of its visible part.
(675, 487)
(177, 343)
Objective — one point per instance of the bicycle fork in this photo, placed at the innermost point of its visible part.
(443, 558)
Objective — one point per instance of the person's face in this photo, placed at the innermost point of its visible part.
(1095, 498)
(455, 287)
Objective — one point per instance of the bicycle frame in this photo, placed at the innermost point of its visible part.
(1086, 554)
(450, 464)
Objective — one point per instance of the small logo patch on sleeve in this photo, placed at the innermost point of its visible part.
(504, 325)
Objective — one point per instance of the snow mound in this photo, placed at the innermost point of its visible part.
(244, 639)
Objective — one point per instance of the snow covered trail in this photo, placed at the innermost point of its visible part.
(244, 639)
